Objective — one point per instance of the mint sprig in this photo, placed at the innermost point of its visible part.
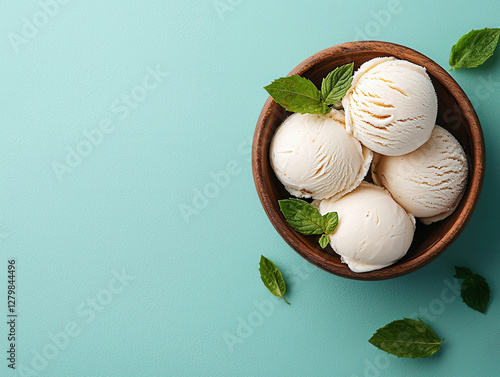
(475, 291)
(474, 48)
(307, 220)
(300, 95)
(272, 278)
(407, 338)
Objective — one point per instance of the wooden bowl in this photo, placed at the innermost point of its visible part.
(455, 113)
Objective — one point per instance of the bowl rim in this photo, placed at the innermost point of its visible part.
(476, 165)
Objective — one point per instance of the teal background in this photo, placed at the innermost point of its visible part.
(195, 277)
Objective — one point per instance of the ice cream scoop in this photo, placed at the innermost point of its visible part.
(373, 230)
(391, 106)
(428, 182)
(314, 157)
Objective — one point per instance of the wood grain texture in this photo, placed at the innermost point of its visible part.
(455, 113)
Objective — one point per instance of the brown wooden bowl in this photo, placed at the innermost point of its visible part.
(455, 113)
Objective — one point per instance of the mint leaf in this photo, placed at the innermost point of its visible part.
(324, 240)
(336, 84)
(475, 290)
(462, 272)
(302, 216)
(297, 94)
(474, 48)
(307, 220)
(272, 278)
(407, 338)
(331, 222)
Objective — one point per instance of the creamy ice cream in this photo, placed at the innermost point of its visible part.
(391, 106)
(429, 182)
(373, 231)
(314, 157)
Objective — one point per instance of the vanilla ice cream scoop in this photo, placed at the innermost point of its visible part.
(314, 157)
(373, 231)
(391, 106)
(429, 182)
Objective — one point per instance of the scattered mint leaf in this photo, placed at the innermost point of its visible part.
(474, 48)
(307, 220)
(272, 278)
(407, 338)
(462, 272)
(297, 94)
(336, 84)
(324, 240)
(475, 290)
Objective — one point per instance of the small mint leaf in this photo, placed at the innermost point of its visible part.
(462, 272)
(475, 291)
(474, 48)
(272, 278)
(297, 94)
(336, 84)
(324, 241)
(302, 216)
(407, 338)
(331, 222)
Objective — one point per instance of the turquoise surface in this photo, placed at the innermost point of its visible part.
(117, 115)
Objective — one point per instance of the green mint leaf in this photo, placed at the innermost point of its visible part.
(462, 272)
(307, 220)
(475, 290)
(272, 278)
(407, 338)
(324, 240)
(331, 222)
(336, 84)
(302, 216)
(474, 48)
(297, 94)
